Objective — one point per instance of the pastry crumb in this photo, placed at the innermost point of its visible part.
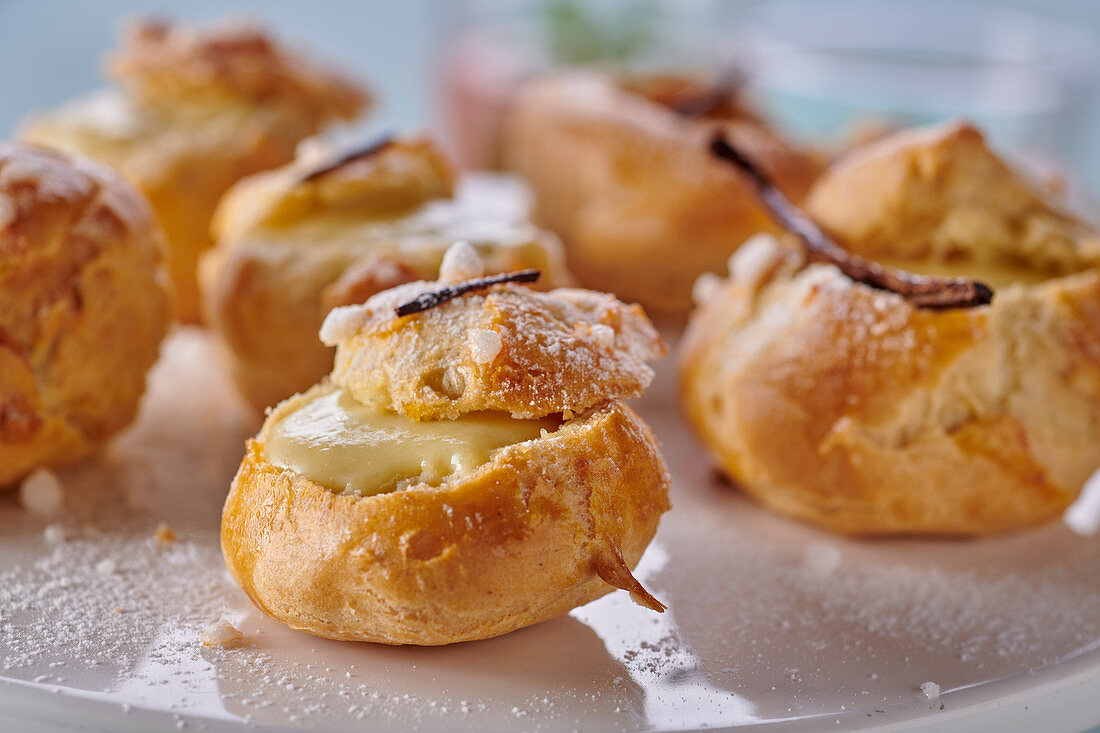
(221, 633)
(931, 690)
(164, 533)
(41, 493)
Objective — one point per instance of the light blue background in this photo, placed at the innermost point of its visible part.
(50, 49)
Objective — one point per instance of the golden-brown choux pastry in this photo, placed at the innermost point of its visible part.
(468, 469)
(851, 408)
(620, 172)
(333, 230)
(84, 304)
(195, 111)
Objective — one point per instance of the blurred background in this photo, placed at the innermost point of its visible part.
(823, 70)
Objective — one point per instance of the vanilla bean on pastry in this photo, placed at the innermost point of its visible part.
(619, 169)
(466, 470)
(332, 230)
(351, 156)
(923, 292)
(433, 298)
(857, 409)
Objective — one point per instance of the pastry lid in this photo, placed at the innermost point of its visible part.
(172, 63)
(506, 347)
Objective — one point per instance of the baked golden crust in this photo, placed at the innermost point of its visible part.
(161, 62)
(508, 349)
(541, 526)
(939, 194)
(294, 243)
(627, 183)
(525, 538)
(847, 407)
(83, 306)
(197, 111)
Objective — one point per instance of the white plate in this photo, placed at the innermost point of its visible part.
(770, 622)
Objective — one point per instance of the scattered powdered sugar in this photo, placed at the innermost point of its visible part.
(97, 599)
(41, 493)
(761, 625)
(931, 690)
(484, 344)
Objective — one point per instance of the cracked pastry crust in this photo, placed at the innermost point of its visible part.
(84, 305)
(525, 353)
(294, 243)
(847, 407)
(626, 181)
(543, 526)
(193, 112)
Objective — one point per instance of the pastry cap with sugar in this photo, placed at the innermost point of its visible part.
(849, 407)
(388, 177)
(165, 62)
(506, 348)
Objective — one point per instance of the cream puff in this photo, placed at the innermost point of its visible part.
(334, 229)
(84, 304)
(620, 172)
(193, 112)
(872, 401)
(468, 469)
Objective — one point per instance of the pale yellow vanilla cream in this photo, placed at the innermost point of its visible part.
(996, 275)
(350, 448)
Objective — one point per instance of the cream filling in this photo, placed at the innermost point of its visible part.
(423, 226)
(350, 448)
(996, 275)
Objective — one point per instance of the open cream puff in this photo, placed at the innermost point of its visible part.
(332, 230)
(468, 469)
(84, 304)
(927, 410)
(196, 111)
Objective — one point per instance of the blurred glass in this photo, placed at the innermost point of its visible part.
(819, 68)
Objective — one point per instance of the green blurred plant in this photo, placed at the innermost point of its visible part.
(579, 35)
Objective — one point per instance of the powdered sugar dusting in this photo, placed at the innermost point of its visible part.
(756, 630)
